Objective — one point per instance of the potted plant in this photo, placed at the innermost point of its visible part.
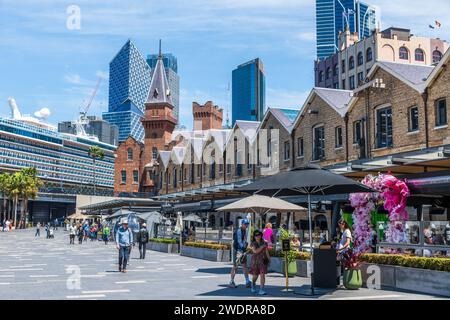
(289, 256)
(352, 272)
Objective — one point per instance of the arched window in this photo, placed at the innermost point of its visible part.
(351, 63)
(335, 70)
(320, 76)
(154, 135)
(419, 55)
(130, 154)
(369, 55)
(328, 74)
(403, 53)
(360, 59)
(437, 56)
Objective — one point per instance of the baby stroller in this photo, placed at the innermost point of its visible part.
(51, 233)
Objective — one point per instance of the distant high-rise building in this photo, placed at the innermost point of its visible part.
(171, 68)
(129, 83)
(248, 91)
(103, 130)
(334, 16)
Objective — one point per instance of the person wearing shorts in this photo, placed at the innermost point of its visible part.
(239, 253)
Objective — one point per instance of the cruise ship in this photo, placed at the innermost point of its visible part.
(62, 159)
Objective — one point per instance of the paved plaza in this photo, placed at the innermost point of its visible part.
(39, 268)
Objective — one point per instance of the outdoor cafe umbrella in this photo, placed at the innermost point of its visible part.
(193, 218)
(309, 180)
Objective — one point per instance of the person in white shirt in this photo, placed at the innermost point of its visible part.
(346, 238)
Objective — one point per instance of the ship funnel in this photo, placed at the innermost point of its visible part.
(14, 108)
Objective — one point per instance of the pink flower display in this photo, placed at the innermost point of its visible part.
(392, 194)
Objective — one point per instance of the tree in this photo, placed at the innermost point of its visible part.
(4, 190)
(95, 152)
(29, 189)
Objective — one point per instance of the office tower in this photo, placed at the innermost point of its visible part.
(129, 82)
(171, 68)
(248, 91)
(334, 16)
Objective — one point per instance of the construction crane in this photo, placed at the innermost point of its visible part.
(82, 118)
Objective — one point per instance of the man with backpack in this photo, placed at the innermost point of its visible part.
(239, 258)
(143, 238)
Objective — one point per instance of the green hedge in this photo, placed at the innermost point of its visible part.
(164, 240)
(206, 245)
(297, 255)
(440, 264)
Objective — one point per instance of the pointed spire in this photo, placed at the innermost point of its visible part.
(159, 87)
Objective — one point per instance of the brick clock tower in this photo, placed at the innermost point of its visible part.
(158, 123)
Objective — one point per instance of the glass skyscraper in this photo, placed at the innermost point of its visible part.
(248, 91)
(333, 16)
(171, 68)
(129, 83)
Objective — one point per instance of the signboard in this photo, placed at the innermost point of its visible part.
(286, 245)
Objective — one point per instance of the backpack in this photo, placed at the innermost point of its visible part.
(143, 236)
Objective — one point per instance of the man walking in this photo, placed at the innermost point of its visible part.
(38, 230)
(72, 233)
(143, 238)
(239, 257)
(124, 241)
(106, 233)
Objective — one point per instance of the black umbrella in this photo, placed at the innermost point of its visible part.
(310, 180)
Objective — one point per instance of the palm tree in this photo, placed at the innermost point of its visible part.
(30, 188)
(15, 187)
(4, 191)
(95, 152)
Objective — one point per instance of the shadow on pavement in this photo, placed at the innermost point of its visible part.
(272, 291)
(224, 270)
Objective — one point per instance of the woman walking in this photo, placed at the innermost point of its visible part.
(344, 245)
(80, 234)
(260, 262)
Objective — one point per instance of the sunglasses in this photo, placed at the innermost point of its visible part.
(258, 235)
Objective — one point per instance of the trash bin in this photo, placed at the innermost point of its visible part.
(324, 267)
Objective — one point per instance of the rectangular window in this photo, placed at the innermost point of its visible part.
(228, 168)
(360, 78)
(343, 66)
(192, 173)
(135, 176)
(357, 132)
(319, 143)
(343, 84)
(175, 180)
(413, 119)
(123, 174)
(338, 137)
(300, 152)
(287, 147)
(384, 128)
(199, 170)
(249, 165)
(221, 167)
(441, 112)
(352, 82)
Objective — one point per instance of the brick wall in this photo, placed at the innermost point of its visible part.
(123, 163)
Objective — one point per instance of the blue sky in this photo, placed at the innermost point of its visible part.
(43, 64)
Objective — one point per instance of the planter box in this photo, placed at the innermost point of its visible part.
(206, 254)
(163, 247)
(411, 279)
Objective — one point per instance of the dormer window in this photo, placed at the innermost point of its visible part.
(155, 93)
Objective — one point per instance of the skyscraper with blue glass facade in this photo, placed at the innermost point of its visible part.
(333, 16)
(171, 68)
(129, 83)
(248, 91)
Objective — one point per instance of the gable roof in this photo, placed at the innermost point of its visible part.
(248, 128)
(165, 157)
(437, 70)
(414, 75)
(338, 100)
(285, 116)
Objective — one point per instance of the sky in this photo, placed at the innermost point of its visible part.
(43, 63)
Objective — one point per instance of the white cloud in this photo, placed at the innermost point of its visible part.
(102, 74)
(73, 78)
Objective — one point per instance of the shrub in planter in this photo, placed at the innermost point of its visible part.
(213, 246)
(292, 264)
(163, 240)
(439, 264)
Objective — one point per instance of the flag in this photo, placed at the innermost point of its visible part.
(438, 24)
